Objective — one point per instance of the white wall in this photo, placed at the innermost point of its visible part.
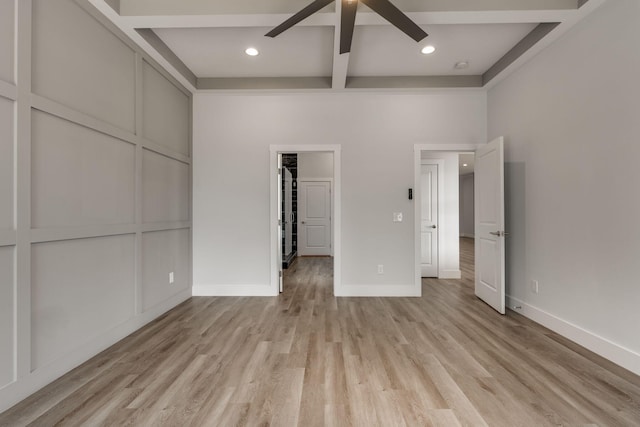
(377, 132)
(570, 118)
(449, 224)
(467, 222)
(99, 141)
(315, 165)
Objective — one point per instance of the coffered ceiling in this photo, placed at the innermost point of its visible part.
(203, 42)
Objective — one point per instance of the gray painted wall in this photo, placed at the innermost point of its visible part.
(377, 132)
(570, 118)
(103, 167)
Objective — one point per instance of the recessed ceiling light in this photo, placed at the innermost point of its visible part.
(461, 65)
(252, 51)
(465, 165)
(427, 50)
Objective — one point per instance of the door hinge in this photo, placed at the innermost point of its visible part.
(280, 273)
(279, 171)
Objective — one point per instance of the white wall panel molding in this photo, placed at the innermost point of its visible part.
(9, 91)
(71, 137)
(23, 193)
(80, 64)
(59, 110)
(7, 316)
(147, 144)
(165, 112)
(7, 40)
(7, 163)
(7, 237)
(138, 184)
(15, 392)
(165, 226)
(41, 235)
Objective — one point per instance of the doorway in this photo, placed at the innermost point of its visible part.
(323, 232)
(488, 218)
(445, 243)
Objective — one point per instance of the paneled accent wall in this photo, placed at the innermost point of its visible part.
(95, 190)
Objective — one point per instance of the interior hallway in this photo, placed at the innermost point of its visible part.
(307, 358)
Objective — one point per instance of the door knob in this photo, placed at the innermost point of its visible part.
(495, 233)
(433, 226)
(303, 222)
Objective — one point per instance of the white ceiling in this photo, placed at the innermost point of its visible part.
(385, 51)
(219, 52)
(202, 42)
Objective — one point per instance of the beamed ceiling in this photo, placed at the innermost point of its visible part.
(203, 42)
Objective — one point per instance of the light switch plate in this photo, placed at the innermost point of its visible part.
(397, 217)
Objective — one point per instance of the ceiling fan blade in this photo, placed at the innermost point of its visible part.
(303, 14)
(392, 14)
(347, 23)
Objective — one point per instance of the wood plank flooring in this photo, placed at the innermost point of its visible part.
(309, 359)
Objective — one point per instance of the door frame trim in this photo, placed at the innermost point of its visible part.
(274, 150)
(417, 163)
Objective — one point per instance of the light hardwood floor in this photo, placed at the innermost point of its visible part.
(309, 359)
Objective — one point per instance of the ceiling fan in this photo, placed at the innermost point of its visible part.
(383, 8)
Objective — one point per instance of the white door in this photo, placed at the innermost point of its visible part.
(288, 212)
(429, 221)
(489, 222)
(280, 224)
(314, 218)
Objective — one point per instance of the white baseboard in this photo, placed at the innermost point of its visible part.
(378, 291)
(449, 274)
(14, 392)
(234, 291)
(619, 355)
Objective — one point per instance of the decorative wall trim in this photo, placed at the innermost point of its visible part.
(26, 381)
(164, 151)
(9, 91)
(62, 111)
(16, 391)
(619, 355)
(7, 237)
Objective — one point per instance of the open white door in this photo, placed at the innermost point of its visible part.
(279, 254)
(489, 223)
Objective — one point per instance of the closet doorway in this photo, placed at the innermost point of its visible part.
(311, 219)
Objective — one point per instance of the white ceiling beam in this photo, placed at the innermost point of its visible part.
(340, 62)
(240, 7)
(222, 21)
(481, 17)
(363, 18)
